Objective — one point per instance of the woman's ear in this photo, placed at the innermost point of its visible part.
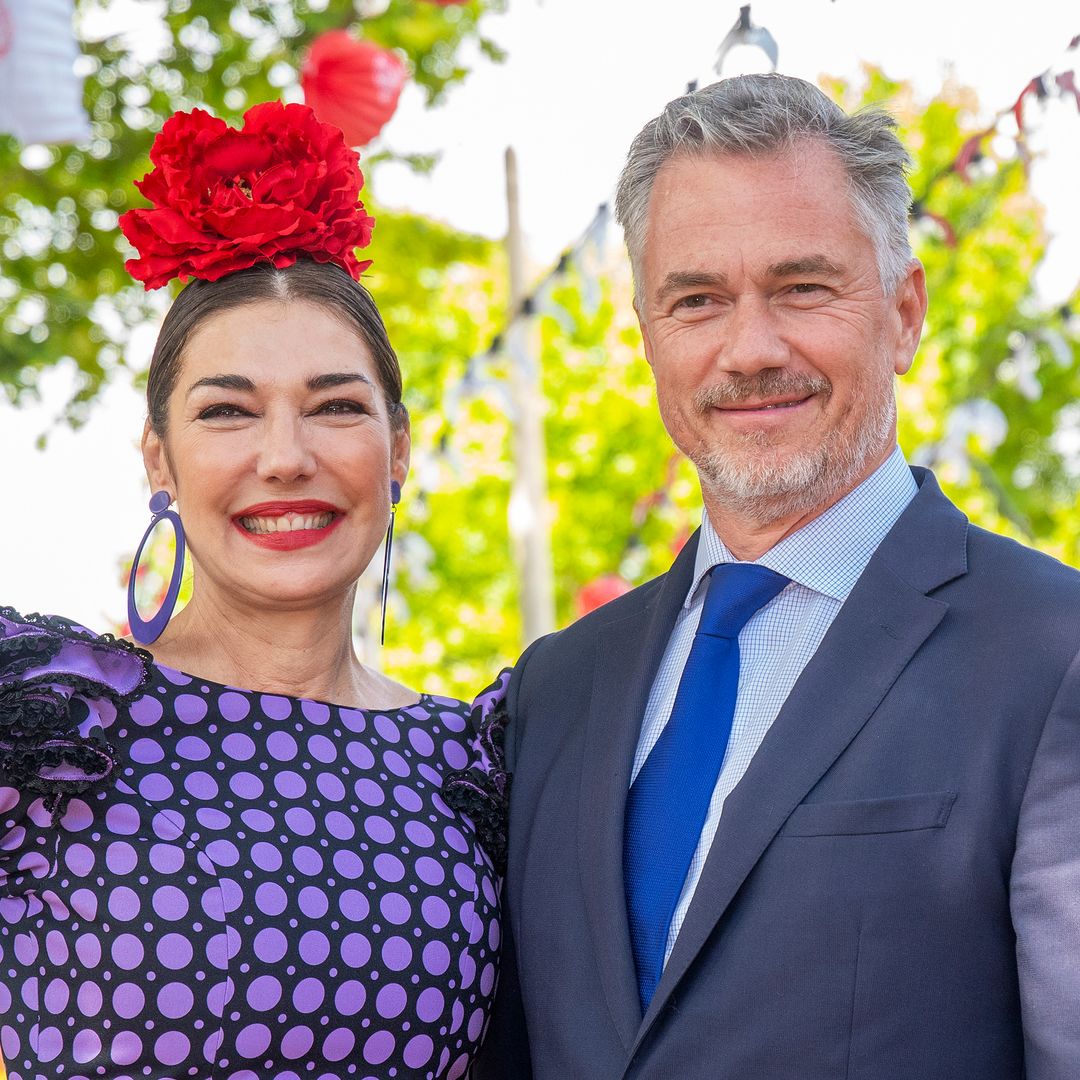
(401, 450)
(156, 462)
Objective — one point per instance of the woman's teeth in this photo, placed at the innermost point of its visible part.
(286, 523)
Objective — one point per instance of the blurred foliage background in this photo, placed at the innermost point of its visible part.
(992, 403)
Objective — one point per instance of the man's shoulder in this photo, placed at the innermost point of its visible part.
(1034, 595)
(1001, 562)
(934, 544)
(568, 654)
(634, 604)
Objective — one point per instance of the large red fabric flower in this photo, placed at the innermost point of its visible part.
(283, 186)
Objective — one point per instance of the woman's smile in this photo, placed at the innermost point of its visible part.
(288, 525)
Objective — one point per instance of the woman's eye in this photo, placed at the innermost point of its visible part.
(222, 412)
(342, 407)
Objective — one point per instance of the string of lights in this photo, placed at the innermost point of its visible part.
(1041, 87)
(1047, 84)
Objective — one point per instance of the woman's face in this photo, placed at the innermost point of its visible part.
(280, 452)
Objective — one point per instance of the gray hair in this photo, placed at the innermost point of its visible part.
(762, 115)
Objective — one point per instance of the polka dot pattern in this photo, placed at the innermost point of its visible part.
(274, 889)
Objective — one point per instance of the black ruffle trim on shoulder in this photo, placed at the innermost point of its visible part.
(54, 676)
(483, 789)
(56, 629)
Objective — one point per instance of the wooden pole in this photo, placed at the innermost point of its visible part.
(529, 521)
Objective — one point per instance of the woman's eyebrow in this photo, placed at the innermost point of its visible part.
(336, 378)
(239, 383)
(242, 384)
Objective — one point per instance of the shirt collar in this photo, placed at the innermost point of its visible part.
(830, 553)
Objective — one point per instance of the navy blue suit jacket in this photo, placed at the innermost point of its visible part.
(893, 892)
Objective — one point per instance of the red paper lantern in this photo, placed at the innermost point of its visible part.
(352, 84)
(679, 542)
(598, 592)
(7, 30)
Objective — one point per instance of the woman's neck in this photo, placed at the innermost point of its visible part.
(305, 652)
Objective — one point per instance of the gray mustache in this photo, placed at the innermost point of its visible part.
(772, 382)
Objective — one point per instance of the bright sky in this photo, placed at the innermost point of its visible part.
(581, 79)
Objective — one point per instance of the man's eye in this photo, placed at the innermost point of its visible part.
(696, 301)
(341, 407)
(805, 287)
(222, 412)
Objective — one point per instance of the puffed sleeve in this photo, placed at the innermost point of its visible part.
(482, 789)
(59, 684)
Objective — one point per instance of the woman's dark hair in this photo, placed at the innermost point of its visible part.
(325, 284)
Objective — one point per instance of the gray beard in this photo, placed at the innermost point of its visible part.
(751, 486)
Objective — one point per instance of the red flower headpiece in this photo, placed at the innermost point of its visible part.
(283, 186)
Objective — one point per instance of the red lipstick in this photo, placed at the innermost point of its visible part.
(293, 538)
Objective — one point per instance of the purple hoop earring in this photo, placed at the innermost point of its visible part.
(144, 631)
(395, 498)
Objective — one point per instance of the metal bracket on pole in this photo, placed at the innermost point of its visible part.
(744, 32)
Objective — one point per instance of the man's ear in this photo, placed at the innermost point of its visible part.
(911, 304)
(156, 462)
(646, 339)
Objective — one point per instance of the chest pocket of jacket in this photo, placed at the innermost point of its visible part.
(899, 813)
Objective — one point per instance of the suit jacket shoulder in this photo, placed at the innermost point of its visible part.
(1014, 566)
(566, 660)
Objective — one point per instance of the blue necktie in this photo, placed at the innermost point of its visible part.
(669, 800)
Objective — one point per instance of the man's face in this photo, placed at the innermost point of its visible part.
(771, 341)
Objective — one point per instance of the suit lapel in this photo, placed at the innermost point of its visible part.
(882, 624)
(629, 652)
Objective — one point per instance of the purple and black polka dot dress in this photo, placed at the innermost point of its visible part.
(200, 881)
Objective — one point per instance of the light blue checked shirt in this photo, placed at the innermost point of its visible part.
(823, 559)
